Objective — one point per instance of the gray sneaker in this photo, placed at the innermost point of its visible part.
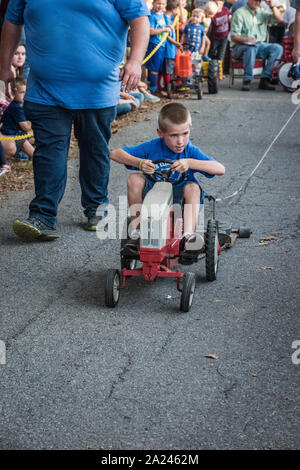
(92, 222)
(34, 229)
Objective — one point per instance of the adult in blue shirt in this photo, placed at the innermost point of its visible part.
(74, 50)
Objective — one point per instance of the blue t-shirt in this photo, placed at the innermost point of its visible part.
(194, 34)
(11, 117)
(156, 149)
(74, 49)
(171, 49)
(157, 21)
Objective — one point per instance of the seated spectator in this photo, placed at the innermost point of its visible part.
(249, 39)
(143, 88)
(276, 31)
(19, 61)
(14, 123)
(127, 103)
(219, 31)
(289, 20)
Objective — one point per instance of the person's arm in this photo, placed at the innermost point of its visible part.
(10, 38)
(25, 126)
(120, 156)
(172, 41)
(165, 29)
(139, 34)
(296, 49)
(276, 13)
(182, 12)
(212, 167)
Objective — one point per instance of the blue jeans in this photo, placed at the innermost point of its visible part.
(249, 54)
(52, 130)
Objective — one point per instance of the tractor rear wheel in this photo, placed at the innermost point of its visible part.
(212, 250)
(212, 77)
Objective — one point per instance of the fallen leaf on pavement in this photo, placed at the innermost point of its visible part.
(265, 268)
(211, 356)
(268, 239)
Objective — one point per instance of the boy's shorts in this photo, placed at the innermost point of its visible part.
(169, 65)
(155, 63)
(178, 191)
(19, 143)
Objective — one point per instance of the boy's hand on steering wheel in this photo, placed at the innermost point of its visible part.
(181, 165)
(148, 167)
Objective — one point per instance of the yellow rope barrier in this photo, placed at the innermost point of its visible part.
(16, 137)
(165, 35)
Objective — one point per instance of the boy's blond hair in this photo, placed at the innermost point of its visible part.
(20, 81)
(210, 8)
(174, 113)
(198, 10)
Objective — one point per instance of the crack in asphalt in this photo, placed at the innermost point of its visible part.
(121, 376)
(46, 307)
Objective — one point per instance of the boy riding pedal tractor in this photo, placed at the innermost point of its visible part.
(174, 125)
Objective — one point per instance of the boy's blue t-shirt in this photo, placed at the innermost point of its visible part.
(157, 21)
(11, 117)
(194, 34)
(156, 149)
(74, 49)
(171, 49)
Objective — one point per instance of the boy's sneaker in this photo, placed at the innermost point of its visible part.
(4, 169)
(92, 222)
(34, 229)
(149, 97)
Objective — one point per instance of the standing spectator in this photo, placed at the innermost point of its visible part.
(66, 86)
(172, 45)
(194, 38)
(296, 50)
(3, 8)
(219, 31)
(248, 33)
(158, 27)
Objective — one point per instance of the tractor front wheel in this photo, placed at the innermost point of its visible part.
(187, 293)
(112, 287)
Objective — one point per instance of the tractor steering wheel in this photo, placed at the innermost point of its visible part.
(165, 174)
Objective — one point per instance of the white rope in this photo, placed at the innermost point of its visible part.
(260, 161)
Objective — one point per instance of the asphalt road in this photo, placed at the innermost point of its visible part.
(81, 376)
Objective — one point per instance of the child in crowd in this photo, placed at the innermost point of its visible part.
(174, 125)
(194, 38)
(210, 10)
(158, 27)
(219, 31)
(14, 123)
(172, 9)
